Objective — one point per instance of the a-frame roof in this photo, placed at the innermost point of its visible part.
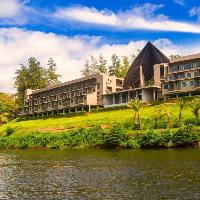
(149, 56)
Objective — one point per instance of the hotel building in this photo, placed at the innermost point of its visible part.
(143, 79)
(151, 77)
(183, 77)
(72, 96)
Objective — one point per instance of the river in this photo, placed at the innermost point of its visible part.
(100, 174)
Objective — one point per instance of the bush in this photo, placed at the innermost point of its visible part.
(192, 121)
(95, 110)
(131, 144)
(149, 139)
(165, 138)
(116, 136)
(9, 130)
(184, 137)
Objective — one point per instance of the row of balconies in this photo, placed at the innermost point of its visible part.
(182, 87)
(68, 93)
(54, 98)
(183, 76)
(53, 105)
(185, 67)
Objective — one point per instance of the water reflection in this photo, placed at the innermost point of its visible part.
(99, 174)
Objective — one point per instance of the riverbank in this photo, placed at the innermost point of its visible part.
(104, 129)
(119, 136)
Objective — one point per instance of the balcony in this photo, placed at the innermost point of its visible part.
(197, 74)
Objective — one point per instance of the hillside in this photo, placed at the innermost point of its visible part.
(104, 119)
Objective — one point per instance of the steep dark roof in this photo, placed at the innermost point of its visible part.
(149, 56)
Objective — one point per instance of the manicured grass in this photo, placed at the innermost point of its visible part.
(104, 119)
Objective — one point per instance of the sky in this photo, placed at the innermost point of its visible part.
(70, 31)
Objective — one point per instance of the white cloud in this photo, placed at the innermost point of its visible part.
(195, 12)
(180, 2)
(139, 17)
(17, 45)
(14, 12)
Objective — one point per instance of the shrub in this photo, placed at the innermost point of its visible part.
(165, 138)
(9, 130)
(95, 110)
(131, 144)
(149, 139)
(115, 137)
(184, 137)
(192, 121)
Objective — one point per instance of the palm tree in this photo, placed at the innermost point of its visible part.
(167, 113)
(136, 105)
(196, 108)
(162, 112)
(181, 104)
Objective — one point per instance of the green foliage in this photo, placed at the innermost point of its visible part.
(181, 104)
(9, 130)
(136, 105)
(8, 108)
(33, 76)
(96, 110)
(196, 107)
(184, 137)
(131, 144)
(116, 136)
(149, 139)
(118, 67)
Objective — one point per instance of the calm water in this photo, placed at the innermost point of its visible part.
(100, 174)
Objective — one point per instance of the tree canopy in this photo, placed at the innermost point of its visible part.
(8, 107)
(34, 76)
(116, 66)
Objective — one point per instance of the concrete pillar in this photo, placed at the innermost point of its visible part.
(89, 108)
(129, 98)
(120, 98)
(113, 98)
(154, 95)
(82, 109)
(75, 109)
(69, 110)
(136, 93)
(63, 111)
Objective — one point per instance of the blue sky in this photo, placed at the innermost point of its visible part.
(71, 31)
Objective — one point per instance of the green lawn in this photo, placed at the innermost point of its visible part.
(91, 119)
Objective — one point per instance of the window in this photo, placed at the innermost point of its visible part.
(72, 100)
(188, 75)
(162, 71)
(191, 83)
(98, 95)
(98, 85)
(59, 103)
(165, 86)
(184, 84)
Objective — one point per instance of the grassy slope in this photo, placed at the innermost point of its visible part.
(92, 119)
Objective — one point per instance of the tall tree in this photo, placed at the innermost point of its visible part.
(124, 67)
(174, 56)
(87, 70)
(53, 76)
(102, 65)
(136, 105)
(33, 76)
(8, 107)
(115, 67)
(94, 65)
